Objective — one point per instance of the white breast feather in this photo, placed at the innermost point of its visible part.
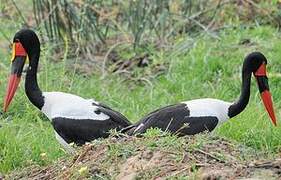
(209, 107)
(58, 104)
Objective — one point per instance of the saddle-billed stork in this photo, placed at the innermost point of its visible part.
(195, 116)
(74, 118)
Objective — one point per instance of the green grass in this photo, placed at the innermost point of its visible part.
(210, 68)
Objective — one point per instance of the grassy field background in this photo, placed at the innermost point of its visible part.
(207, 67)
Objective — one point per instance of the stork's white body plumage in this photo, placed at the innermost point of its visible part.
(59, 104)
(208, 107)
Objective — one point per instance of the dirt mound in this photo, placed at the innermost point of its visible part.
(200, 157)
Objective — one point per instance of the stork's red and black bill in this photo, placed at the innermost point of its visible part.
(266, 97)
(18, 61)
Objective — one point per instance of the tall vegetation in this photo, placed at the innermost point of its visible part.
(89, 23)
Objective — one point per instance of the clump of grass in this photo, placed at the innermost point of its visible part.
(104, 158)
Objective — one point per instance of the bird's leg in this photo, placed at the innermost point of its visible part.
(65, 145)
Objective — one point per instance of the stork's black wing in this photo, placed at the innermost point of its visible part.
(175, 119)
(86, 130)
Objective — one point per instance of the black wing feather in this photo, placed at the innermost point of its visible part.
(175, 119)
(115, 116)
(86, 130)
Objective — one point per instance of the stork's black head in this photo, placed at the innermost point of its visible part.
(256, 63)
(29, 41)
(26, 49)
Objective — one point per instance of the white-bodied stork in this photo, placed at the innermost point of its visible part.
(74, 118)
(195, 116)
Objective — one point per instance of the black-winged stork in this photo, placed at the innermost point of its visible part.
(74, 118)
(195, 116)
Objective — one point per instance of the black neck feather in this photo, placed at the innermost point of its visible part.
(239, 105)
(32, 89)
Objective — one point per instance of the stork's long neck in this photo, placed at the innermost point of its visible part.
(239, 105)
(32, 89)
